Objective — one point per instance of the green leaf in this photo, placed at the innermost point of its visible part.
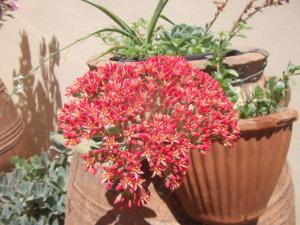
(271, 83)
(258, 92)
(167, 19)
(245, 26)
(116, 30)
(152, 24)
(115, 18)
(108, 51)
(280, 86)
(24, 188)
(232, 72)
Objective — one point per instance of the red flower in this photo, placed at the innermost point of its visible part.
(158, 110)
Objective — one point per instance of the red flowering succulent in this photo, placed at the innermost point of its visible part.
(157, 110)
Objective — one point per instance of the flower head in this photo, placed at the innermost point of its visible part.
(157, 110)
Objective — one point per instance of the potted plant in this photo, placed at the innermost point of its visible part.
(271, 124)
(210, 52)
(234, 187)
(87, 117)
(154, 113)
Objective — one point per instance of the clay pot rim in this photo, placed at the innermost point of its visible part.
(274, 120)
(95, 62)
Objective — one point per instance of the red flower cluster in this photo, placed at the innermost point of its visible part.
(158, 110)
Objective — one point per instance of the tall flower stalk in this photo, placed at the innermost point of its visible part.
(251, 9)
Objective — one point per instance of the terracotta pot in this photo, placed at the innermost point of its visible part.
(89, 203)
(11, 130)
(233, 186)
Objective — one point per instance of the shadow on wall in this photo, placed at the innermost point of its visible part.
(41, 98)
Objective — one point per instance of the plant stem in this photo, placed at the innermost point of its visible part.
(246, 15)
(211, 23)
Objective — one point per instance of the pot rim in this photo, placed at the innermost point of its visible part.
(274, 120)
(93, 61)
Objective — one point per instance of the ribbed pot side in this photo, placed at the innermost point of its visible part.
(11, 130)
(89, 203)
(233, 186)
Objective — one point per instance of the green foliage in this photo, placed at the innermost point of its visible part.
(142, 39)
(123, 26)
(266, 101)
(126, 48)
(34, 192)
(130, 44)
(183, 39)
(152, 24)
(219, 69)
(291, 70)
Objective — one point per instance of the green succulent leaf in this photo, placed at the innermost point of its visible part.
(26, 196)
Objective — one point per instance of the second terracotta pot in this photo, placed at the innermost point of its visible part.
(11, 130)
(233, 186)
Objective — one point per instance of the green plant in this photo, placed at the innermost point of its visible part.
(221, 45)
(183, 40)
(264, 101)
(219, 70)
(143, 39)
(291, 70)
(34, 192)
(131, 50)
(132, 42)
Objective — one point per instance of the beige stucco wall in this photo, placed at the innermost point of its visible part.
(43, 24)
(276, 30)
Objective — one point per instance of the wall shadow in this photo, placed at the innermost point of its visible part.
(41, 98)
